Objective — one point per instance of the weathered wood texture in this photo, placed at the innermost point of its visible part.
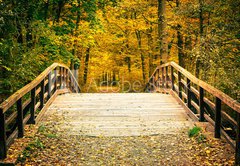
(117, 114)
(21, 107)
(202, 105)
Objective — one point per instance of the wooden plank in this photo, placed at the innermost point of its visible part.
(11, 118)
(189, 112)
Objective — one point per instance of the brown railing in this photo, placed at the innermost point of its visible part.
(202, 101)
(29, 103)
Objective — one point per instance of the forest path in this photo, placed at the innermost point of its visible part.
(117, 114)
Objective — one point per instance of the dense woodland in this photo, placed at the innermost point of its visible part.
(120, 40)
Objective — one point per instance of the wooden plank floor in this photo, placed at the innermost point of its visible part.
(117, 114)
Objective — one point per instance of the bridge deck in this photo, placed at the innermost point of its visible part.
(117, 114)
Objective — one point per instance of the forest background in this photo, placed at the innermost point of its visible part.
(120, 40)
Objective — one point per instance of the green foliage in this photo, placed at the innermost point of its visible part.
(194, 131)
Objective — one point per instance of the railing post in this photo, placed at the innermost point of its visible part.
(179, 84)
(64, 77)
(67, 79)
(49, 84)
(201, 104)
(163, 79)
(42, 94)
(33, 103)
(218, 118)
(60, 74)
(166, 76)
(3, 137)
(55, 81)
(172, 79)
(20, 118)
(189, 97)
(237, 153)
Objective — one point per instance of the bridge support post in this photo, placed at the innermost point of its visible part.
(33, 103)
(179, 85)
(237, 153)
(189, 97)
(55, 81)
(42, 94)
(20, 118)
(218, 118)
(3, 137)
(49, 84)
(201, 104)
(172, 79)
(166, 76)
(163, 78)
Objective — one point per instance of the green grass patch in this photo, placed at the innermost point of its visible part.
(194, 131)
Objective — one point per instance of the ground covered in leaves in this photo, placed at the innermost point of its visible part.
(50, 148)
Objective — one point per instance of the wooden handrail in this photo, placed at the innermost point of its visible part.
(186, 94)
(27, 88)
(222, 96)
(50, 83)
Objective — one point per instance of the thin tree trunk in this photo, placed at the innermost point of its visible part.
(86, 65)
(161, 31)
(198, 63)
(59, 10)
(138, 34)
(46, 10)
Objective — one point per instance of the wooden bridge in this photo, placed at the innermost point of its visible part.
(182, 99)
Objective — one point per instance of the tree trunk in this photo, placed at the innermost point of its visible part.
(162, 32)
(76, 29)
(86, 66)
(198, 62)
(59, 10)
(46, 10)
(138, 34)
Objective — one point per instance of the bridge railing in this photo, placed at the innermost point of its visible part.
(203, 101)
(28, 104)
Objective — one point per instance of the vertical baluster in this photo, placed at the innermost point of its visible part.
(218, 118)
(237, 153)
(67, 79)
(179, 84)
(189, 97)
(20, 118)
(201, 104)
(33, 103)
(55, 81)
(163, 80)
(172, 78)
(166, 76)
(42, 94)
(60, 72)
(64, 78)
(49, 84)
(3, 137)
